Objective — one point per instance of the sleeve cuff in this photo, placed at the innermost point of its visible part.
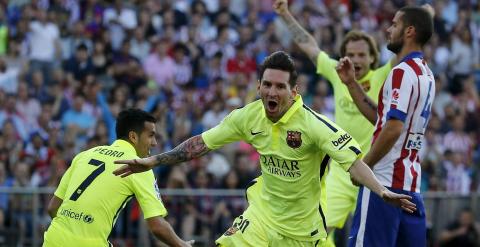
(397, 114)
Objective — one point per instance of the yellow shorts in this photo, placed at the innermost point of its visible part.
(341, 196)
(247, 230)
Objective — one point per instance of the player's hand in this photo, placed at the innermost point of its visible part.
(399, 200)
(346, 71)
(280, 7)
(133, 166)
(354, 181)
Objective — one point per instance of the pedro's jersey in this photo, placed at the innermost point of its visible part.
(93, 197)
(293, 152)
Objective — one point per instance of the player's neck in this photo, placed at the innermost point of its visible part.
(407, 49)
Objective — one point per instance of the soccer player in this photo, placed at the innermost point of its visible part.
(89, 198)
(360, 47)
(295, 145)
(402, 116)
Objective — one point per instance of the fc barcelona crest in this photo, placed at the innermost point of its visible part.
(365, 86)
(294, 138)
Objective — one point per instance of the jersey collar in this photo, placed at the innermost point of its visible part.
(297, 104)
(412, 55)
(125, 145)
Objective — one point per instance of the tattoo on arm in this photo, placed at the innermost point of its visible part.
(370, 103)
(187, 150)
(302, 37)
(299, 34)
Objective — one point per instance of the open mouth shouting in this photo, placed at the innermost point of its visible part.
(272, 106)
(357, 69)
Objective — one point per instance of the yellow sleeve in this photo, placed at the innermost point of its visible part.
(225, 132)
(336, 143)
(326, 67)
(146, 192)
(65, 181)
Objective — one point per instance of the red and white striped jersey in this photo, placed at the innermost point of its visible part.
(407, 95)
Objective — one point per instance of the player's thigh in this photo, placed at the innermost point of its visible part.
(341, 197)
(246, 230)
(375, 222)
(413, 226)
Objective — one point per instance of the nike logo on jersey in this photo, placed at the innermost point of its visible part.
(255, 133)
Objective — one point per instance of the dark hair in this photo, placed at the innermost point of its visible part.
(82, 47)
(421, 20)
(282, 61)
(356, 36)
(132, 120)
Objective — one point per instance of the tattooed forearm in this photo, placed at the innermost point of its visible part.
(370, 104)
(189, 149)
(299, 34)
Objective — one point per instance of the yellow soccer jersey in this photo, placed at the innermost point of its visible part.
(293, 152)
(347, 114)
(93, 197)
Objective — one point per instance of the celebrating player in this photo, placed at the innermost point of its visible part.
(341, 194)
(295, 145)
(89, 198)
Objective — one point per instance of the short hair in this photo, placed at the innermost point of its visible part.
(356, 35)
(421, 20)
(282, 61)
(132, 120)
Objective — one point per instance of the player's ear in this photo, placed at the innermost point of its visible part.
(133, 137)
(295, 90)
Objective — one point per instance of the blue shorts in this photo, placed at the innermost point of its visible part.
(377, 223)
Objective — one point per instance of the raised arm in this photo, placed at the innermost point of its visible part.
(366, 105)
(187, 150)
(300, 36)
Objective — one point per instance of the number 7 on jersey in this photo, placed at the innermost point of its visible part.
(83, 186)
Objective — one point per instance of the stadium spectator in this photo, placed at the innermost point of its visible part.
(44, 44)
(464, 231)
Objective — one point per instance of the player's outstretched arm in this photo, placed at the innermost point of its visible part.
(300, 36)
(361, 173)
(163, 231)
(366, 106)
(189, 149)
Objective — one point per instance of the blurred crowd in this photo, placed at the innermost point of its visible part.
(68, 67)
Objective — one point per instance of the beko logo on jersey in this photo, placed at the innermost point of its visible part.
(77, 216)
(343, 138)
